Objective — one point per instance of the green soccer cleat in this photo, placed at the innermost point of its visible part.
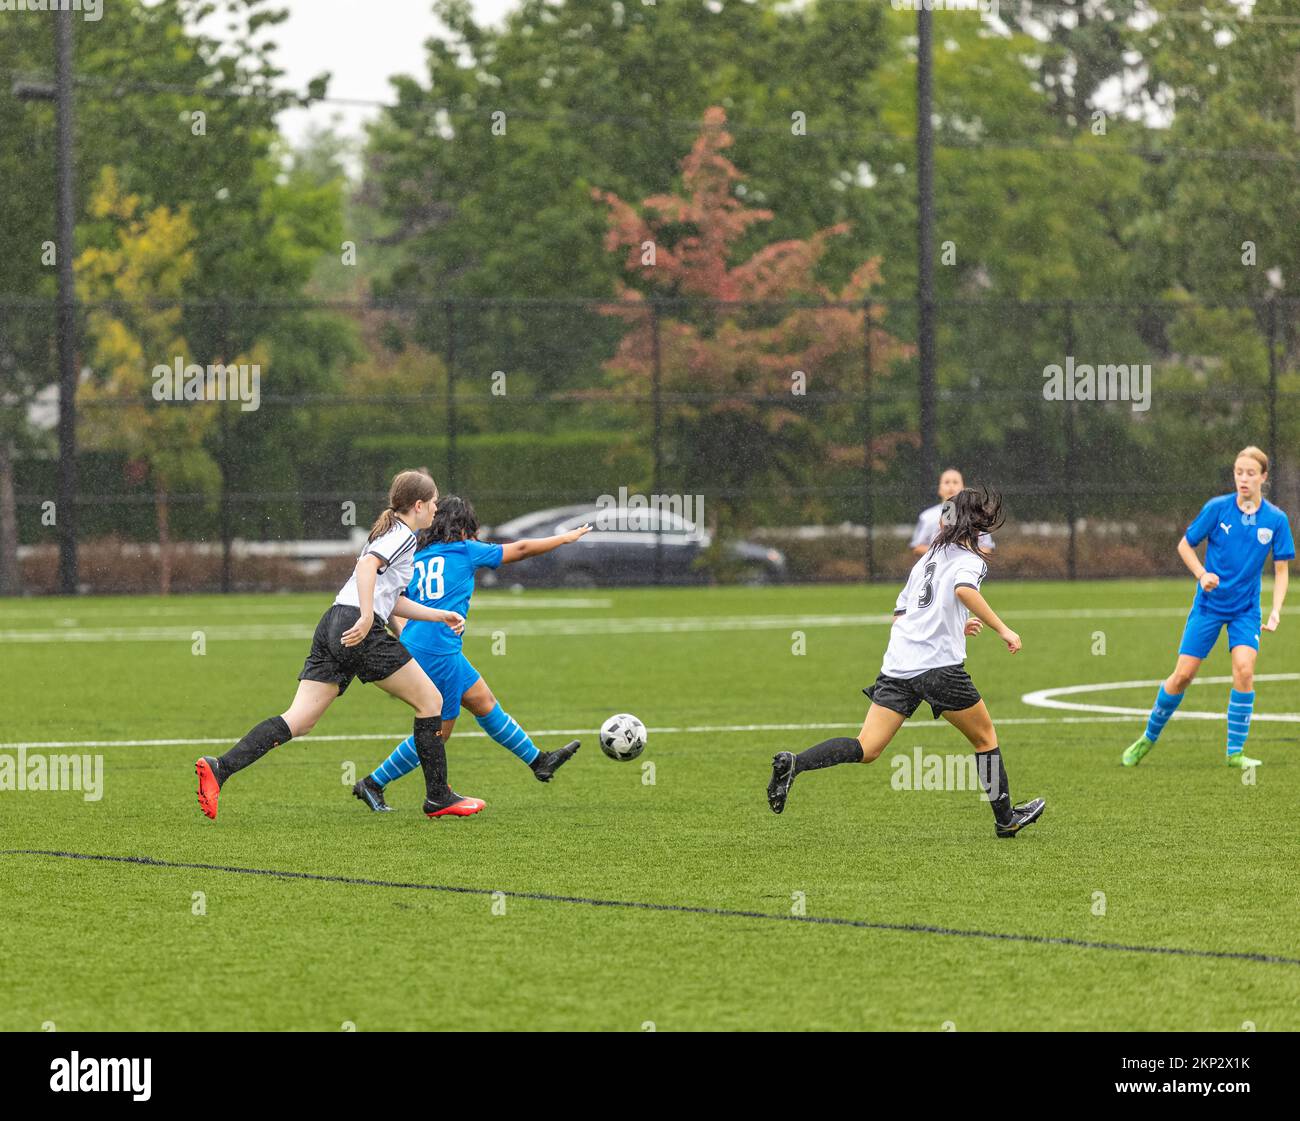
(1241, 760)
(1136, 751)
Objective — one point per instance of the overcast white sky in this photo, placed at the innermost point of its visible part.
(361, 43)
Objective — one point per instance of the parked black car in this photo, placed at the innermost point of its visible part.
(621, 550)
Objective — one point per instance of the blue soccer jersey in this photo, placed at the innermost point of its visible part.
(1237, 546)
(444, 578)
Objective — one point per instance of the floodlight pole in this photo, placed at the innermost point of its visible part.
(925, 251)
(66, 315)
(67, 312)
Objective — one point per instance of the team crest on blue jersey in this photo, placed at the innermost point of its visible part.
(1264, 535)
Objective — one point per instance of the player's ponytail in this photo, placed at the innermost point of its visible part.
(409, 487)
(966, 517)
(383, 523)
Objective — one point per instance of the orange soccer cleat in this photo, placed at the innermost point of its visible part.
(209, 786)
(455, 807)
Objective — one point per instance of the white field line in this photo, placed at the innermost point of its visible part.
(64, 614)
(255, 633)
(1046, 698)
(688, 730)
(295, 632)
(484, 628)
(478, 628)
(1043, 698)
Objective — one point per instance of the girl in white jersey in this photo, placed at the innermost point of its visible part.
(925, 662)
(352, 640)
(951, 484)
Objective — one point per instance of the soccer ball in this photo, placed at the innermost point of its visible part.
(622, 737)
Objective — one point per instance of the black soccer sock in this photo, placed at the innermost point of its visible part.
(828, 753)
(993, 778)
(433, 757)
(268, 734)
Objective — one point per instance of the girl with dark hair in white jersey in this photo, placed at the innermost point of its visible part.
(925, 663)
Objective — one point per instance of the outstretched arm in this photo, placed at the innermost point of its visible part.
(978, 606)
(1281, 577)
(536, 546)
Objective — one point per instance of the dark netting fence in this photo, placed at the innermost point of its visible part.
(792, 426)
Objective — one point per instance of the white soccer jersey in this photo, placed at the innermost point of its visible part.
(928, 632)
(396, 549)
(927, 529)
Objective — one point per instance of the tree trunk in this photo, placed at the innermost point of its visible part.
(164, 542)
(11, 577)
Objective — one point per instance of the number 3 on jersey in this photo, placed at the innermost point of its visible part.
(927, 589)
(428, 577)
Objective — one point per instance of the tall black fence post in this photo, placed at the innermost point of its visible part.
(10, 574)
(925, 256)
(223, 464)
(67, 314)
(868, 421)
(656, 395)
(1071, 461)
(1273, 448)
(451, 396)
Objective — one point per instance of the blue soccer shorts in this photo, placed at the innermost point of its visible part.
(1202, 632)
(452, 674)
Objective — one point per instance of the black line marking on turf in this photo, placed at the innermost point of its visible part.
(677, 908)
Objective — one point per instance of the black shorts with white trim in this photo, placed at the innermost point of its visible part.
(946, 689)
(375, 657)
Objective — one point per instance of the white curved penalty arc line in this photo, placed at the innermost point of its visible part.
(1046, 698)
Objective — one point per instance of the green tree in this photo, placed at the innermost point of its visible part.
(1082, 44)
(1233, 85)
(137, 278)
(599, 94)
(187, 119)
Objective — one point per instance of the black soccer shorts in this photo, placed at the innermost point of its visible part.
(946, 689)
(375, 657)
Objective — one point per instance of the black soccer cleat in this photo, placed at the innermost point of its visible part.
(548, 762)
(1021, 816)
(370, 792)
(778, 790)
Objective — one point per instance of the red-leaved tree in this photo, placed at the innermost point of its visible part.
(761, 394)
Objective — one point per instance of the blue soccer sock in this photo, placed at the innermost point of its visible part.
(1166, 705)
(1240, 708)
(401, 762)
(501, 726)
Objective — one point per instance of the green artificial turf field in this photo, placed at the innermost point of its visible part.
(1113, 912)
